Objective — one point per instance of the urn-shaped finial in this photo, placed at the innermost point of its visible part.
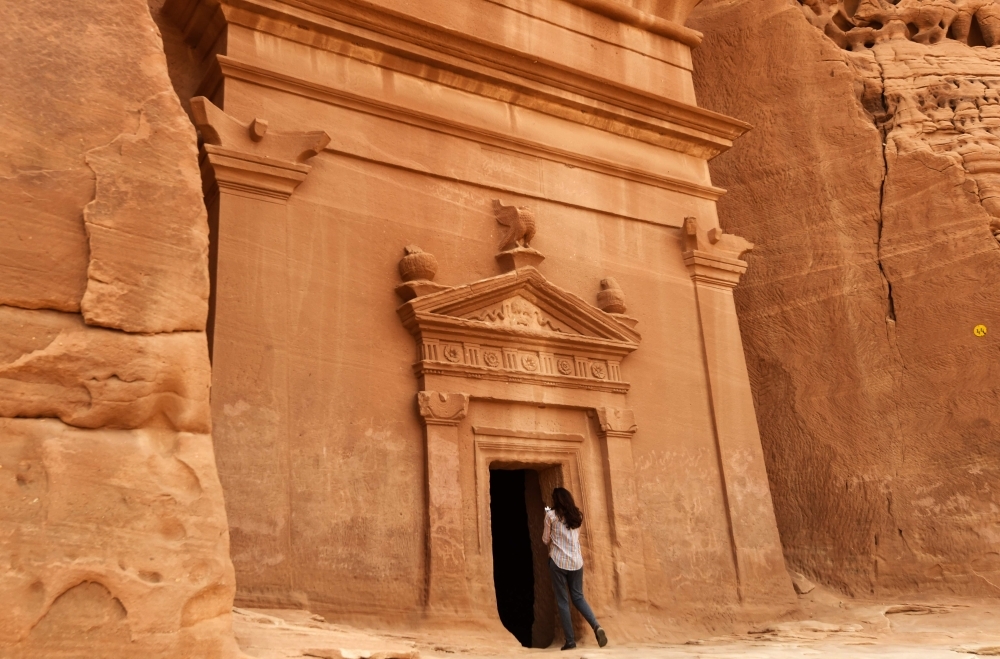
(611, 297)
(417, 265)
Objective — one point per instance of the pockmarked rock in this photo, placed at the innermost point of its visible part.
(158, 583)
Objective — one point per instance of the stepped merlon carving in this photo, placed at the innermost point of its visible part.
(713, 255)
(248, 159)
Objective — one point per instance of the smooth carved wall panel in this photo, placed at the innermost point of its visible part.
(869, 190)
(115, 540)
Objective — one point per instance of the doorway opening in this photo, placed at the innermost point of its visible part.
(525, 602)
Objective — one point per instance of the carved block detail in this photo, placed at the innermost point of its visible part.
(615, 420)
(614, 371)
(442, 408)
(472, 354)
(582, 368)
(548, 362)
(429, 350)
(510, 359)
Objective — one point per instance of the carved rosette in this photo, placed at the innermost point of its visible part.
(443, 409)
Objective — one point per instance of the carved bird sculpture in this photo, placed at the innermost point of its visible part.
(520, 223)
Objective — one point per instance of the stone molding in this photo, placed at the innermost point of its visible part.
(713, 257)
(443, 409)
(249, 161)
(649, 22)
(417, 49)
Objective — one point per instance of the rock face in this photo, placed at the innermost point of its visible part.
(869, 186)
(115, 541)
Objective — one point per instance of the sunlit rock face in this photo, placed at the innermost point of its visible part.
(869, 186)
(114, 541)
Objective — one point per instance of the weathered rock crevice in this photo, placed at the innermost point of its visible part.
(872, 277)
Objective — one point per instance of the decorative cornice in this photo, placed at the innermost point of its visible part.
(443, 409)
(713, 257)
(247, 160)
(408, 46)
(237, 70)
(616, 10)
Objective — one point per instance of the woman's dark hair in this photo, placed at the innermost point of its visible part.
(565, 507)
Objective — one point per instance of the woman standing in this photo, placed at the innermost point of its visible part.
(562, 535)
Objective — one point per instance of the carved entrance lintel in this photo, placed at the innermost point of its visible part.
(511, 338)
(247, 160)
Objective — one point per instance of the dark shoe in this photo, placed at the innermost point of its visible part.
(568, 646)
(602, 638)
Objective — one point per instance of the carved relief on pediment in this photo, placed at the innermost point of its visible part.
(517, 312)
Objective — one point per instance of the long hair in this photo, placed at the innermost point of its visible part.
(565, 507)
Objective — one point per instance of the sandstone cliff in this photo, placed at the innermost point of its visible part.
(869, 186)
(114, 538)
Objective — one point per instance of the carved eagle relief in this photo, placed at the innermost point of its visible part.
(520, 223)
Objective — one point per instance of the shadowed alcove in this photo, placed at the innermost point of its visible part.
(525, 602)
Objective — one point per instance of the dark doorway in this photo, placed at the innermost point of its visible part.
(513, 562)
(525, 601)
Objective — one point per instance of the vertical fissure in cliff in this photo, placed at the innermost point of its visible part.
(882, 123)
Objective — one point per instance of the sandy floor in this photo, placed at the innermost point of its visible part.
(831, 627)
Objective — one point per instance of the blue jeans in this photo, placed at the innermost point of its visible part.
(571, 580)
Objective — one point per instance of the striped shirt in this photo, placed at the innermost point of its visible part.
(563, 542)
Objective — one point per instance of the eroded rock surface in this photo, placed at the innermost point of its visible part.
(114, 542)
(868, 186)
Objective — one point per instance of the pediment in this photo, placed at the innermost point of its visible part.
(523, 303)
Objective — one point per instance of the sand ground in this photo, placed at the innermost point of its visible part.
(828, 625)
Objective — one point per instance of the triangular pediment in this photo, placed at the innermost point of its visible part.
(521, 302)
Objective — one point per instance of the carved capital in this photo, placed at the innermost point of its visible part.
(616, 421)
(712, 256)
(249, 160)
(442, 408)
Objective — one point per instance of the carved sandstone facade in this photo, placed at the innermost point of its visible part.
(357, 479)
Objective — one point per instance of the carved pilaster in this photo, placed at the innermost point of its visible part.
(616, 427)
(447, 590)
(713, 259)
(248, 160)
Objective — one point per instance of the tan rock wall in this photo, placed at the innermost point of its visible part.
(114, 541)
(874, 262)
